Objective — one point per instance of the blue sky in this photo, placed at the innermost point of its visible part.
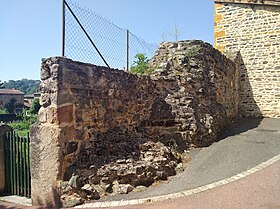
(31, 29)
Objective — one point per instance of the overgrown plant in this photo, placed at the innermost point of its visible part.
(192, 52)
(141, 65)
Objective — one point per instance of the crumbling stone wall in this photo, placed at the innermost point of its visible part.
(207, 94)
(252, 27)
(105, 131)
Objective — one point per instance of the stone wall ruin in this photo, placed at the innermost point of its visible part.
(106, 131)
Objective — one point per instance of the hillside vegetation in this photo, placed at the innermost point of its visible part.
(27, 86)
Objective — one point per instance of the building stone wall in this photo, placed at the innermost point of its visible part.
(104, 131)
(251, 2)
(30, 98)
(253, 29)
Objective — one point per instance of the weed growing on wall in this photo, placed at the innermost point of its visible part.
(192, 52)
(141, 65)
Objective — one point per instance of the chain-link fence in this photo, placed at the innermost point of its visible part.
(88, 37)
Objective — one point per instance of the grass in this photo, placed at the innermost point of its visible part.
(22, 128)
(22, 133)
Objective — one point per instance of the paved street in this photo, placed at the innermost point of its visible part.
(260, 190)
(250, 143)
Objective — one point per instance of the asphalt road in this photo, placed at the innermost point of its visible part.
(259, 190)
(248, 143)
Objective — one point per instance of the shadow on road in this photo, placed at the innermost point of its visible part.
(239, 126)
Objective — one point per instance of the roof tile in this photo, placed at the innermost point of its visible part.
(11, 91)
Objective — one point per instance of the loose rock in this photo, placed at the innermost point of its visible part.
(72, 200)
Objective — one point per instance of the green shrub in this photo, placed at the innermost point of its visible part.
(192, 52)
(24, 125)
(35, 106)
(141, 65)
(3, 111)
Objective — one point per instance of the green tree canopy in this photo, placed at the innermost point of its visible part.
(1, 85)
(27, 86)
(35, 106)
(11, 105)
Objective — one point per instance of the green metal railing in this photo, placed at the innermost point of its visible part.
(17, 165)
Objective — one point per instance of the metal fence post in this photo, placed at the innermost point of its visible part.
(63, 28)
(127, 50)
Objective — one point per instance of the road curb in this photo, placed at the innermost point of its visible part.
(182, 193)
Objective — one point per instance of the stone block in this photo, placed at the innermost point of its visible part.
(218, 17)
(65, 114)
(45, 165)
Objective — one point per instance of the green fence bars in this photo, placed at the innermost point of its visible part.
(17, 165)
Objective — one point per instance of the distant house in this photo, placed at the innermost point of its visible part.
(27, 106)
(28, 98)
(7, 94)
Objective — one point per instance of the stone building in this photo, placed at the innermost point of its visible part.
(252, 27)
(29, 98)
(7, 94)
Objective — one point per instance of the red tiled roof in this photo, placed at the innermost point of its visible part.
(11, 91)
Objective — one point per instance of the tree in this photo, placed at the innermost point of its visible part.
(35, 106)
(1, 85)
(140, 66)
(25, 85)
(11, 105)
